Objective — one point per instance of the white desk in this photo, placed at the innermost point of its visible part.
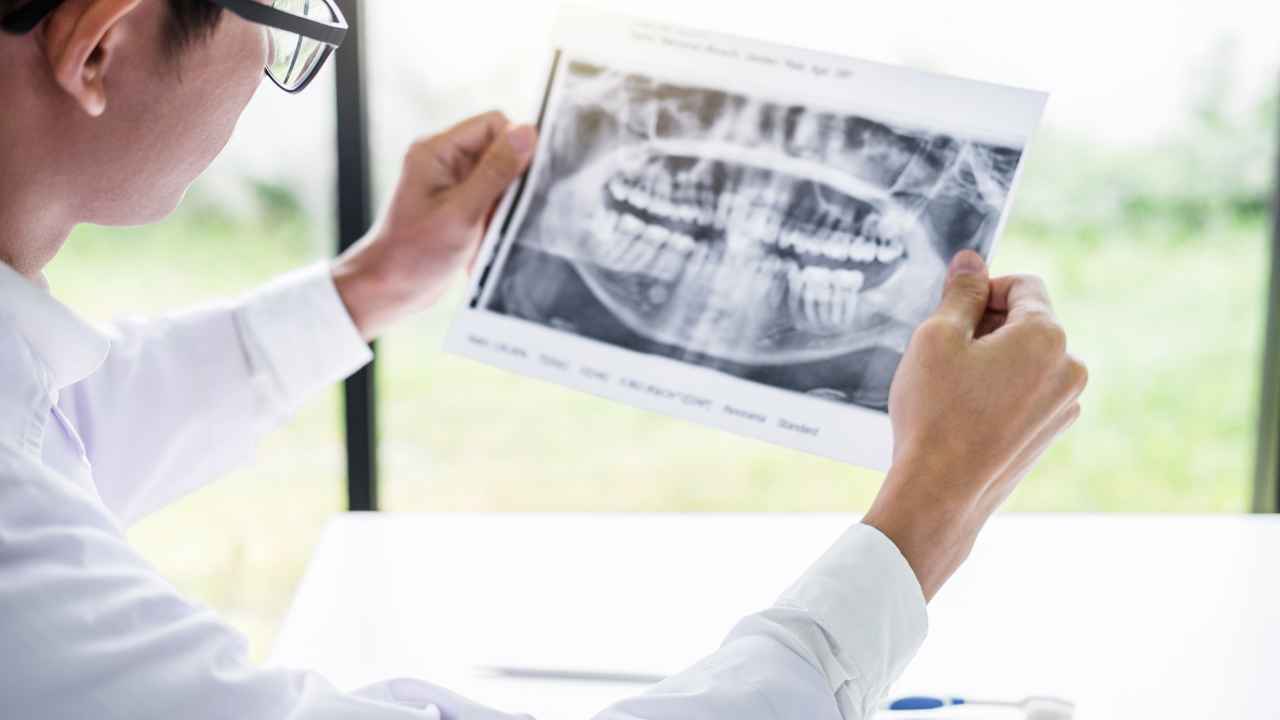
(1130, 617)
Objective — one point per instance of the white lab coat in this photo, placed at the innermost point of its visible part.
(99, 429)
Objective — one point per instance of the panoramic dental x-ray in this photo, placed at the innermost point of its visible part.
(790, 245)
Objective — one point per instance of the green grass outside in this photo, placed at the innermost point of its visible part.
(1170, 325)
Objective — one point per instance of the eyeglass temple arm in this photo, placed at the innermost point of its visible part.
(263, 14)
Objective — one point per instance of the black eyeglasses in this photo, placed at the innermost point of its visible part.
(301, 34)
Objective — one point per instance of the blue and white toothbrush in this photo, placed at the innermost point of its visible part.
(1033, 708)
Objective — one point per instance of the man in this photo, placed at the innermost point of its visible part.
(111, 107)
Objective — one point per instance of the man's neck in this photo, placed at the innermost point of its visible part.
(36, 213)
(32, 231)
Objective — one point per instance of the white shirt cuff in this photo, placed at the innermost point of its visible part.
(298, 330)
(868, 601)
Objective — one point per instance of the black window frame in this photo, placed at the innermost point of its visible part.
(1266, 482)
(355, 217)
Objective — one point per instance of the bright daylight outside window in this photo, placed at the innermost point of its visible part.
(1143, 205)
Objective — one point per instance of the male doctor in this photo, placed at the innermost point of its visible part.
(110, 109)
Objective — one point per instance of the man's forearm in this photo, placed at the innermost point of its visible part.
(829, 649)
(933, 531)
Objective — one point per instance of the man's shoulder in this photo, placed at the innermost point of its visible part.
(24, 391)
(34, 498)
(17, 358)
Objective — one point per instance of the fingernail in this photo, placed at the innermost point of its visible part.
(521, 138)
(967, 262)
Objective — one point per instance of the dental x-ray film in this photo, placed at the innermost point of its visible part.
(737, 233)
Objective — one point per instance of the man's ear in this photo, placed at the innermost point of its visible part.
(80, 40)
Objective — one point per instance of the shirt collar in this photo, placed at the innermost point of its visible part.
(69, 347)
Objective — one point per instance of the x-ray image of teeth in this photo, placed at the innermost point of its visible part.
(791, 246)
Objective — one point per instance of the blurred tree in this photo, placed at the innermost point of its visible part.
(1215, 167)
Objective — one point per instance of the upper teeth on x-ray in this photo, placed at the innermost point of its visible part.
(789, 245)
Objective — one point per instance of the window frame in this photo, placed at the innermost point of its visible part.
(355, 217)
(1266, 483)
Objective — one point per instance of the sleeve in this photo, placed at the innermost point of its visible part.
(89, 630)
(183, 399)
(828, 650)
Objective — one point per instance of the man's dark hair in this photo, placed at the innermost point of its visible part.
(190, 21)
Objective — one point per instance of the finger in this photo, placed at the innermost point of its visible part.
(964, 300)
(1041, 443)
(504, 160)
(443, 160)
(1059, 396)
(474, 135)
(1072, 381)
(1022, 464)
(475, 251)
(471, 262)
(1022, 297)
(999, 300)
(991, 321)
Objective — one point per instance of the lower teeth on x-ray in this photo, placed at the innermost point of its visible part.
(791, 246)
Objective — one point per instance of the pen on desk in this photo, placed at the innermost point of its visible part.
(562, 674)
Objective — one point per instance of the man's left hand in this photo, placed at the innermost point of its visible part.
(447, 190)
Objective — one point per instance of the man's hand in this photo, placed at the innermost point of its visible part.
(984, 388)
(447, 190)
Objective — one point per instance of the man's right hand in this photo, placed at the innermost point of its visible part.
(985, 387)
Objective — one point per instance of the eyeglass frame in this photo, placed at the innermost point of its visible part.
(26, 18)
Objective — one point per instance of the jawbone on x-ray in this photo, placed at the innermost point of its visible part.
(788, 245)
(738, 233)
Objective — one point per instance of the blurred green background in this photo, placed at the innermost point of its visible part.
(1154, 250)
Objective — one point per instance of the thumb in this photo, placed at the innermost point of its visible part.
(964, 300)
(507, 157)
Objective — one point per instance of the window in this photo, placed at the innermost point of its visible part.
(1143, 205)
